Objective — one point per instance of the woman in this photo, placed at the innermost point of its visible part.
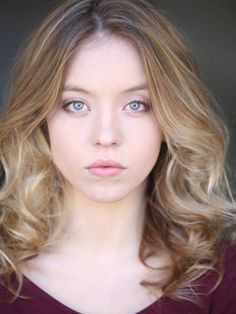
(114, 198)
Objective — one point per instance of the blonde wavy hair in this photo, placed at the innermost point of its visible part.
(188, 199)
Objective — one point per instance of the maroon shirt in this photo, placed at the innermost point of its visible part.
(221, 301)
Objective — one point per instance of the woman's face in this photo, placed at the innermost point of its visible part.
(104, 115)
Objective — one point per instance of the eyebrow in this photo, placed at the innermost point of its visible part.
(73, 88)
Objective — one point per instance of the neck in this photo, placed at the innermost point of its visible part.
(96, 228)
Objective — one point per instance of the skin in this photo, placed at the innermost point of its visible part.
(102, 232)
(105, 122)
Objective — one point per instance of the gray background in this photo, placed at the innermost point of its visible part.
(209, 26)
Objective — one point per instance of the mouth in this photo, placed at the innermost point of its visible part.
(105, 168)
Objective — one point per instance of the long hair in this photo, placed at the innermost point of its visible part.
(188, 206)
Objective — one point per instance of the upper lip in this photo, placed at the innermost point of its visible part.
(105, 163)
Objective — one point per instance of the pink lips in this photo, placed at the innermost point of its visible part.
(105, 168)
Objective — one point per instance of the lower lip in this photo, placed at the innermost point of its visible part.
(105, 171)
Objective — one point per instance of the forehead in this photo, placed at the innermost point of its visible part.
(106, 60)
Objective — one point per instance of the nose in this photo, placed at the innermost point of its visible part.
(107, 129)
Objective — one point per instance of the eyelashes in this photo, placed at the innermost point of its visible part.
(74, 106)
(78, 106)
(140, 103)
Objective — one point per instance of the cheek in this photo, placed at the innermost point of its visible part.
(62, 141)
(148, 141)
(63, 134)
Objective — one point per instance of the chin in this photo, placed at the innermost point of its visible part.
(106, 195)
(105, 198)
(109, 192)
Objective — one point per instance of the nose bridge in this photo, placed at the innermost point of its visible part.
(107, 127)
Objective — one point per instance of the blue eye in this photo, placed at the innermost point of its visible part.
(74, 106)
(138, 106)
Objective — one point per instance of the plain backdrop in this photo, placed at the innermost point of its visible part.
(209, 26)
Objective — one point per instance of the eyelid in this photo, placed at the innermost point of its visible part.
(67, 103)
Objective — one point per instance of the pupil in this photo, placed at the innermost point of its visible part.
(77, 105)
(135, 105)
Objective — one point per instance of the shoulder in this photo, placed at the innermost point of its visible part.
(229, 263)
(228, 251)
(223, 299)
(30, 300)
(5, 300)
